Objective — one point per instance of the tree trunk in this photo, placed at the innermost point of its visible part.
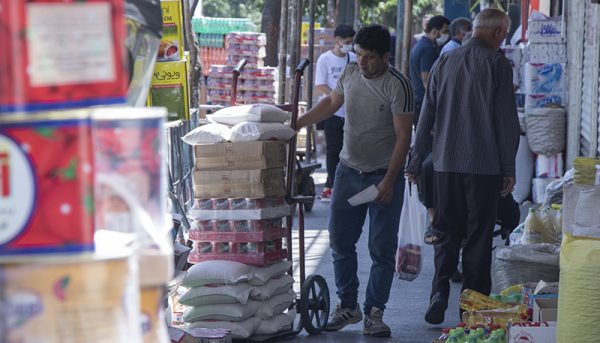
(270, 25)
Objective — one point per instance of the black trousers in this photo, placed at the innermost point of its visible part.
(465, 208)
(334, 136)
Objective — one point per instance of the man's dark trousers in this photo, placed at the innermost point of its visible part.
(465, 208)
(334, 138)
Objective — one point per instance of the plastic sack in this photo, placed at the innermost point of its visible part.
(554, 191)
(524, 171)
(525, 263)
(239, 330)
(250, 113)
(276, 305)
(206, 134)
(252, 131)
(578, 301)
(541, 227)
(275, 286)
(227, 312)
(217, 272)
(413, 218)
(276, 324)
(209, 295)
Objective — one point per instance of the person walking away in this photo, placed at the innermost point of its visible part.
(329, 68)
(424, 54)
(469, 118)
(377, 132)
(458, 29)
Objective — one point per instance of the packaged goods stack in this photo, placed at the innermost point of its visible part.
(539, 68)
(211, 37)
(258, 84)
(544, 85)
(169, 86)
(66, 172)
(237, 229)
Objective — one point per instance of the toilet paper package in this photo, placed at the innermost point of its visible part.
(552, 30)
(547, 52)
(544, 78)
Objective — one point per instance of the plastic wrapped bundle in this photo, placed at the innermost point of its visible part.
(525, 263)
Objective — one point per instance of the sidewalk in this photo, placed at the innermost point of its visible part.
(408, 300)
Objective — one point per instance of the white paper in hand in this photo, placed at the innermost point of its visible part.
(367, 195)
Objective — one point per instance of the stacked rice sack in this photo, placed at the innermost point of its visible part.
(244, 299)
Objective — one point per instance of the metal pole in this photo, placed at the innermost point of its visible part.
(295, 19)
(310, 76)
(524, 19)
(399, 33)
(406, 44)
(283, 24)
(194, 72)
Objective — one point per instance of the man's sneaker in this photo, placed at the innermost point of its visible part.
(342, 317)
(326, 194)
(374, 325)
(437, 309)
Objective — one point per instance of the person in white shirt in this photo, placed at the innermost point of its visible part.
(329, 68)
(458, 29)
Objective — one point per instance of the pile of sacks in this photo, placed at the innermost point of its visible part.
(245, 123)
(244, 299)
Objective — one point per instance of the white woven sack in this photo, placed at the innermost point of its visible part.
(217, 272)
(222, 294)
(546, 130)
(273, 287)
(276, 305)
(239, 330)
(276, 324)
(262, 275)
(228, 312)
(255, 113)
(253, 131)
(206, 134)
(525, 163)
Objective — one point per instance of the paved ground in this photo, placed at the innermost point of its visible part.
(408, 300)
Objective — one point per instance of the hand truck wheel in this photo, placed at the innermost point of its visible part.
(314, 304)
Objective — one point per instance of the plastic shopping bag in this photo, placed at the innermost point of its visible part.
(413, 219)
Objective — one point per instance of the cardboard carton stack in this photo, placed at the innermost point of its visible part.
(239, 206)
(169, 86)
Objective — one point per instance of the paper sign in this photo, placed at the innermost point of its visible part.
(367, 195)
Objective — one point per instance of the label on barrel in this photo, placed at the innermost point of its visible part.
(17, 191)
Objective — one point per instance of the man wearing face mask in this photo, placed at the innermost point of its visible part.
(329, 68)
(424, 54)
(470, 102)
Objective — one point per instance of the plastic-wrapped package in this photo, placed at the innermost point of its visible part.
(72, 299)
(250, 113)
(524, 171)
(525, 263)
(206, 134)
(72, 55)
(554, 191)
(253, 253)
(46, 186)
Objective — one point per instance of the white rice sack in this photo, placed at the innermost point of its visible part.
(254, 113)
(276, 324)
(263, 274)
(226, 312)
(525, 163)
(253, 131)
(205, 134)
(275, 286)
(276, 305)
(239, 330)
(218, 294)
(217, 272)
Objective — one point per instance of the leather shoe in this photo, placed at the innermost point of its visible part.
(437, 309)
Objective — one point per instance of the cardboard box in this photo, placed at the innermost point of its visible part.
(545, 309)
(171, 45)
(240, 156)
(542, 333)
(239, 183)
(169, 88)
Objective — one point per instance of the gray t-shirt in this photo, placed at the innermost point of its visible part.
(369, 134)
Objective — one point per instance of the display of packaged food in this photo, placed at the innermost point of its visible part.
(46, 177)
(253, 38)
(252, 253)
(61, 54)
(171, 45)
(170, 89)
(474, 301)
(240, 230)
(501, 317)
(241, 209)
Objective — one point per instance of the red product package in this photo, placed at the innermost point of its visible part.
(61, 54)
(46, 202)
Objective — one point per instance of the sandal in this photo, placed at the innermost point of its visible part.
(434, 236)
